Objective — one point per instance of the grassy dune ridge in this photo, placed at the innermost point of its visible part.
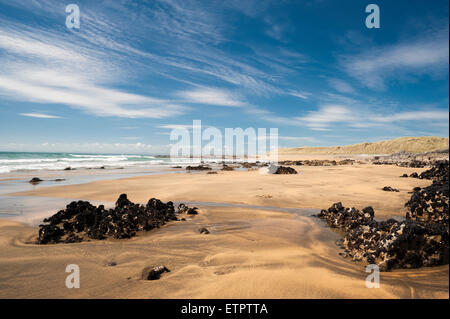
(407, 144)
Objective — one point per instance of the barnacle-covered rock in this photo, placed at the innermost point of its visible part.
(82, 221)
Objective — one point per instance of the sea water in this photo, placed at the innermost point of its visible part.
(17, 161)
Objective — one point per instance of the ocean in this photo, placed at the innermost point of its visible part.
(22, 162)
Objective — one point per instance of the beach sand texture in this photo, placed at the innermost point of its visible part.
(249, 253)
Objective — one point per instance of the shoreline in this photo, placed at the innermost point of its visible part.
(313, 187)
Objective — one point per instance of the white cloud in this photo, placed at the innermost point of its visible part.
(341, 86)
(329, 117)
(28, 47)
(428, 55)
(40, 115)
(301, 95)
(433, 115)
(89, 98)
(326, 115)
(40, 67)
(211, 96)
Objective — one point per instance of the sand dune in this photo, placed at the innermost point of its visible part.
(407, 144)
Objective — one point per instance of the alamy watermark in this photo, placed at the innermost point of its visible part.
(73, 18)
(249, 145)
(73, 279)
(373, 19)
(373, 280)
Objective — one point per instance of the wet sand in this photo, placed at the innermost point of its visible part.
(250, 253)
(313, 187)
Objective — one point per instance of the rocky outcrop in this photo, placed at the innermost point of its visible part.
(318, 162)
(390, 189)
(389, 244)
(420, 240)
(198, 168)
(227, 168)
(285, 170)
(35, 180)
(153, 273)
(82, 221)
(431, 204)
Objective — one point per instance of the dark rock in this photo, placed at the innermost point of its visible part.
(192, 211)
(285, 170)
(414, 175)
(83, 221)
(390, 189)
(35, 180)
(153, 273)
(439, 172)
(389, 244)
(198, 168)
(431, 204)
(338, 216)
(413, 164)
(404, 175)
(211, 173)
(68, 168)
(203, 230)
(72, 238)
(111, 264)
(49, 234)
(227, 168)
(420, 240)
(393, 244)
(369, 210)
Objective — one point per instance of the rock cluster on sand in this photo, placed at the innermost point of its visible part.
(389, 244)
(390, 189)
(225, 167)
(438, 171)
(318, 162)
(285, 170)
(198, 168)
(431, 204)
(203, 230)
(153, 273)
(420, 240)
(81, 220)
(35, 180)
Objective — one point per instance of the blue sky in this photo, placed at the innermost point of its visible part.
(135, 70)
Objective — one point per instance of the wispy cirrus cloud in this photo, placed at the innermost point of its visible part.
(40, 115)
(46, 69)
(211, 96)
(426, 55)
(341, 86)
(340, 117)
(329, 114)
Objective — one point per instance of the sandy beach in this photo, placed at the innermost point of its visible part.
(250, 252)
